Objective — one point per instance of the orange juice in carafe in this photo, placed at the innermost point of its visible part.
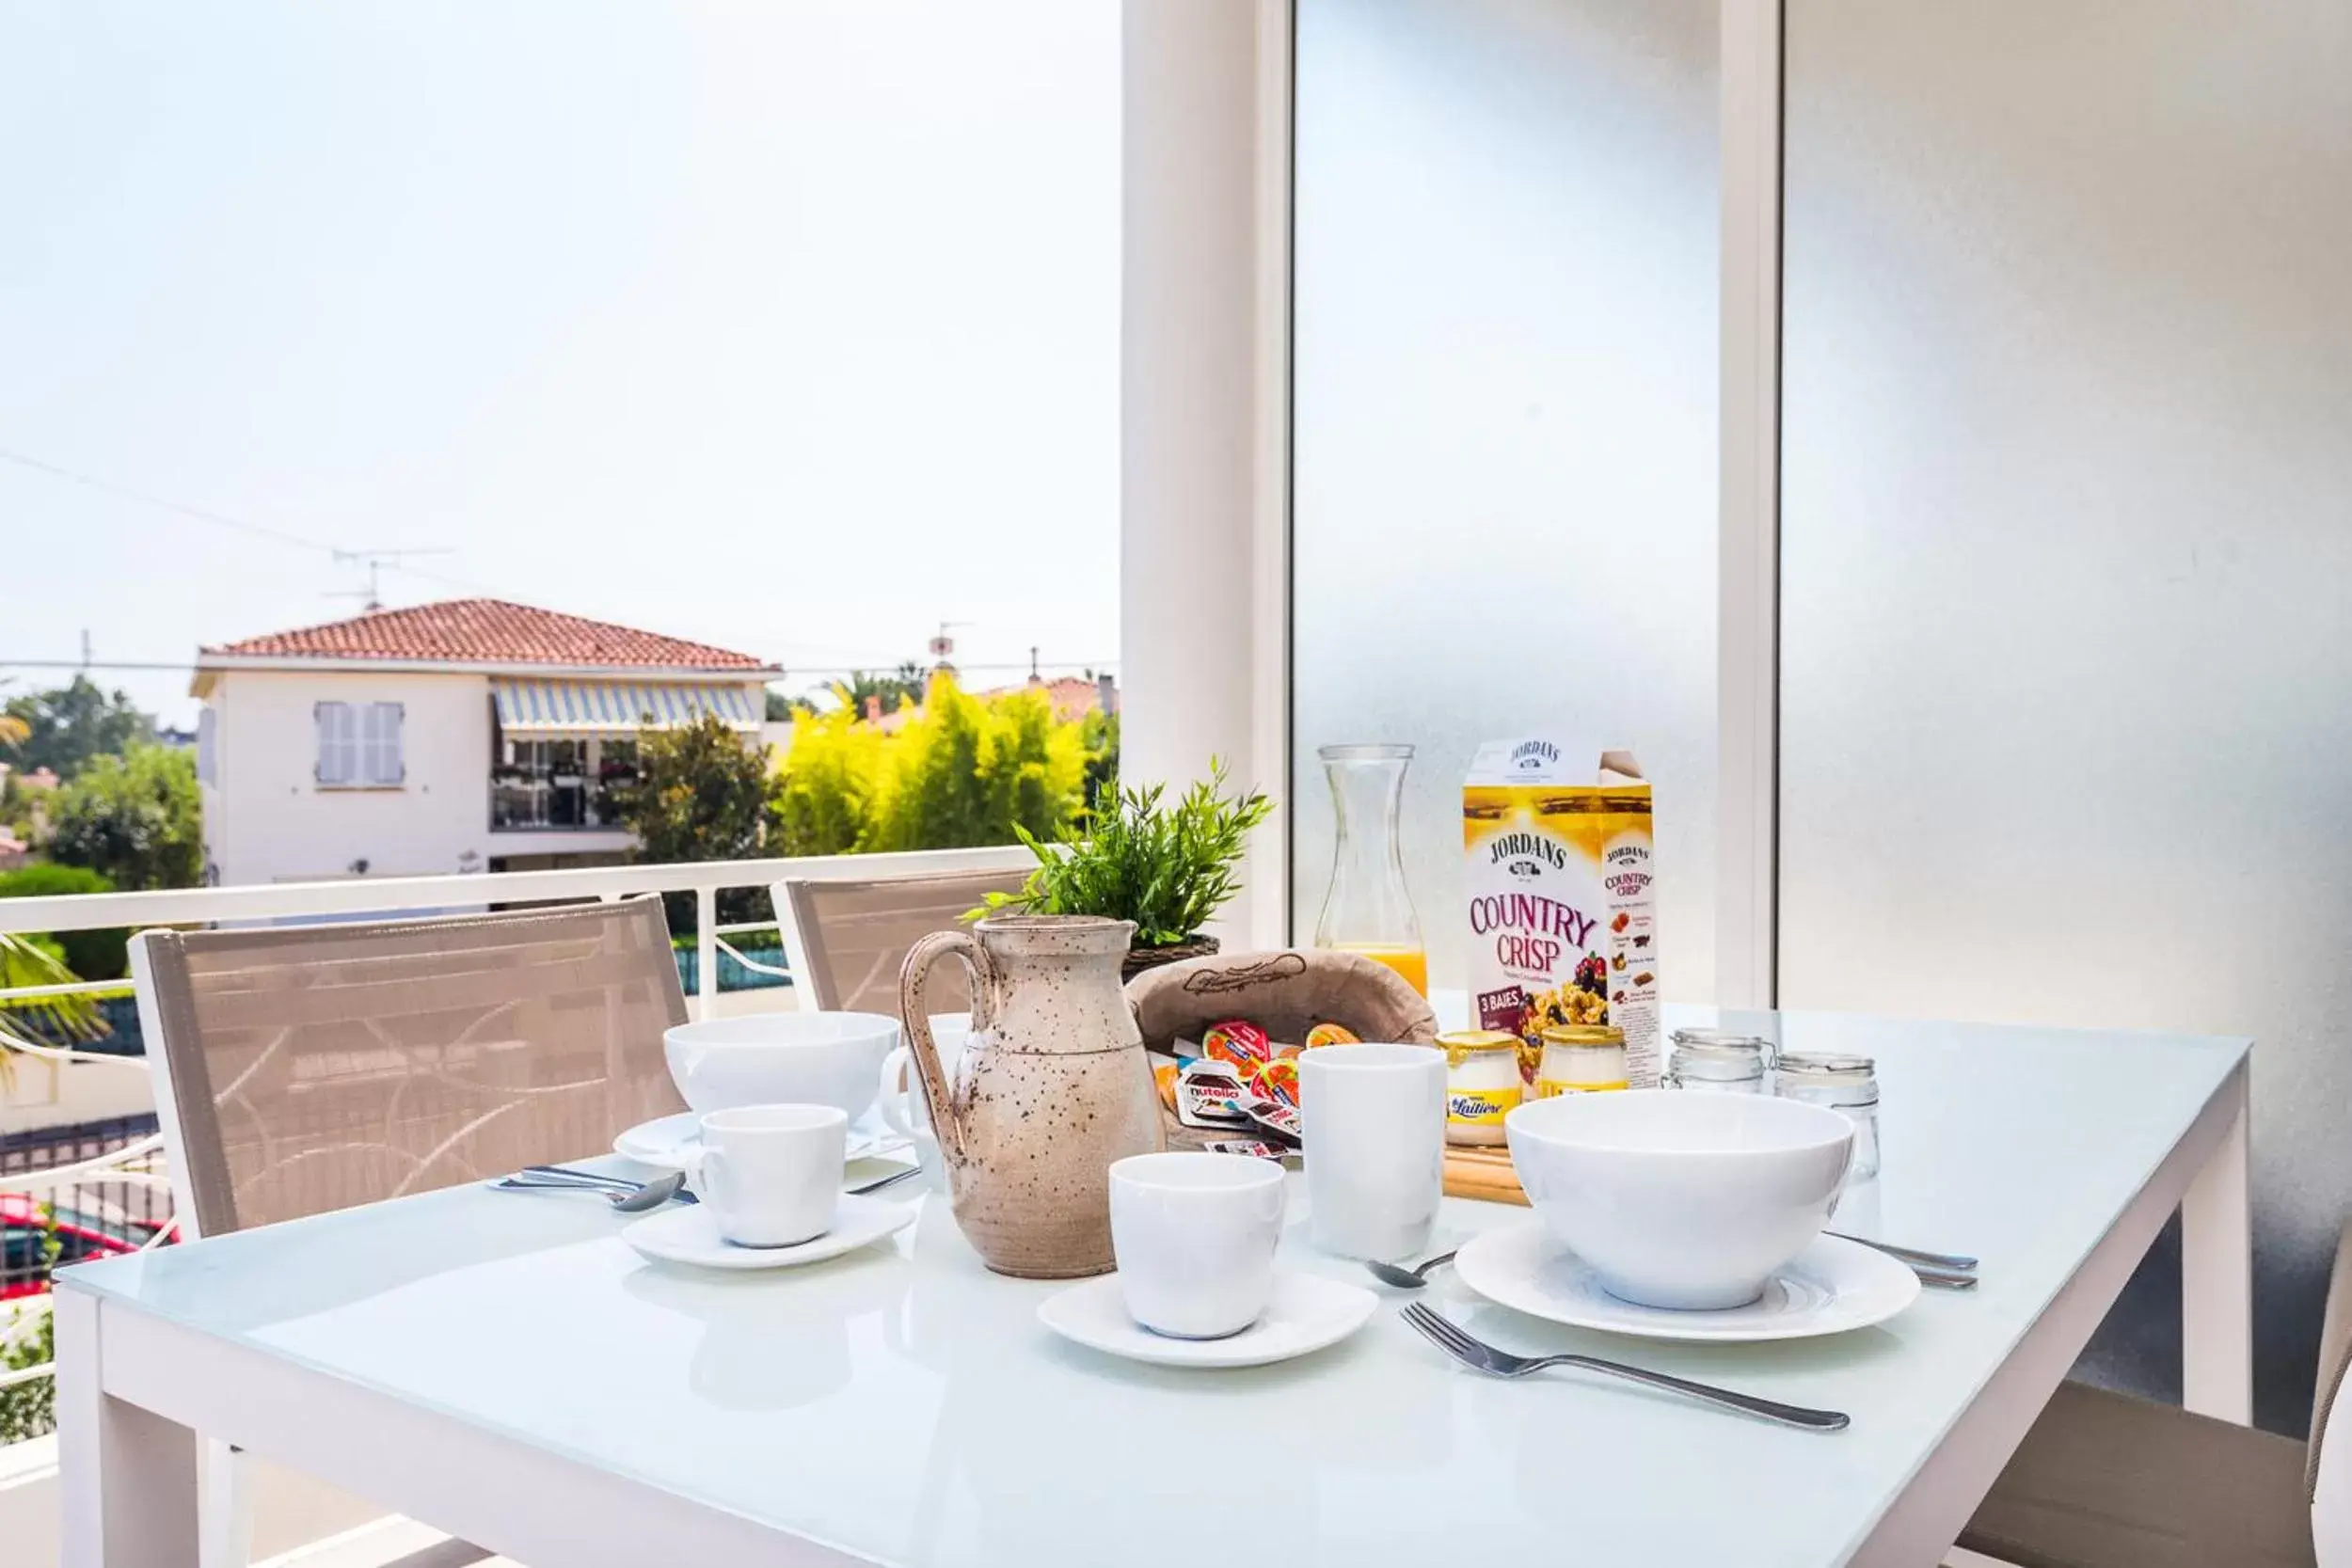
(1367, 909)
(1411, 962)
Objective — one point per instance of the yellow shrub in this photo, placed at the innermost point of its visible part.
(961, 770)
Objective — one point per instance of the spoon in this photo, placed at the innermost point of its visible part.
(1405, 1278)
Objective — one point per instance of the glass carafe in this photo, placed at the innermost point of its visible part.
(1367, 909)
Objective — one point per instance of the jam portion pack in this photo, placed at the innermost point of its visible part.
(1558, 887)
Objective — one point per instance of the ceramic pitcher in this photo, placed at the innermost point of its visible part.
(1051, 1088)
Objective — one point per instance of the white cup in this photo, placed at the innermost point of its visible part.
(905, 1109)
(1372, 1119)
(770, 1175)
(1194, 1235)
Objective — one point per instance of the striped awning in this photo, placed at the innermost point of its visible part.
(615, 707)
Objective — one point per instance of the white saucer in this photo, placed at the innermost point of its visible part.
(665, 1140)
(689, 1233)
(1307, 1312)
(1831, 1287)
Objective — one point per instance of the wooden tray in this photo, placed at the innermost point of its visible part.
(1482, 1173)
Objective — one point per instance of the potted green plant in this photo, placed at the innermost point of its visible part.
(1165, 867)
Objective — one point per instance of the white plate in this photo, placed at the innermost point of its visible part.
(665, 1140)
(689, 1233)
(1828, 1287)
(1305, 1313)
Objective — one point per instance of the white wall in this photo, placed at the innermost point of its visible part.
(267, 819)
(1200, 495)
(2065, 560)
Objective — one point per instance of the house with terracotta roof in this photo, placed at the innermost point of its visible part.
(471, 735)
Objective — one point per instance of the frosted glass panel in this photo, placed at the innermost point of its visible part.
(1504, 437)
(2067, 556)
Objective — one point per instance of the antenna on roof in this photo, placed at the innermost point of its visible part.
(944, 645)
(374, 561)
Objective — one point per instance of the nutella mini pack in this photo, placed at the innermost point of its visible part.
(1558, 888)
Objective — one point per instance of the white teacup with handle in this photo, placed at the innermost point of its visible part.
(903, 1108)
(770, 1175)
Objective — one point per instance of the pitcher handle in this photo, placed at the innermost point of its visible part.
(923, 1056)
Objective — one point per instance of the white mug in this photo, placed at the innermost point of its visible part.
(1194, 1235)
(770, 1175)
(1373, 1120)
(905, 1109)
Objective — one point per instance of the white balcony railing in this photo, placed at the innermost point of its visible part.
(138, 1164)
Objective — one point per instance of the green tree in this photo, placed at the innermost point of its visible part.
(136, 819)
(700, 794)
(782, 708)
(69, 727)
(92, 954)
(902, 685)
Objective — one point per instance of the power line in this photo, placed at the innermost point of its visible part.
(199, 513)
(221, 519)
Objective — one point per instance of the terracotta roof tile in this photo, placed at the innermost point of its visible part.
(488, 631)
(1072, 698)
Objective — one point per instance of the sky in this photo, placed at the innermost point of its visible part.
(789, 325)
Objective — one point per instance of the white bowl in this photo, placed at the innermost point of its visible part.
(1677, 1199)
(781, 1058)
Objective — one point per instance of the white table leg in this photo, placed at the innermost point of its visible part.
(126, 1476)
(2217, 1280)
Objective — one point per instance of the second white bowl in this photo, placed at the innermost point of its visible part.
(1677, 1199)
(781, 1058)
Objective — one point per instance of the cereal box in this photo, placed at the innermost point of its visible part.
(1563, 920)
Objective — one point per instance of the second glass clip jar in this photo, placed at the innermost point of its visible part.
(1717, 1061)
(1847, 1083)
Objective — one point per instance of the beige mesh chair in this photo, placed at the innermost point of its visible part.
(307, 1069)
(845, 941)
(2105, 1481)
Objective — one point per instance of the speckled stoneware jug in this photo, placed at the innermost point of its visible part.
(1051, 1088)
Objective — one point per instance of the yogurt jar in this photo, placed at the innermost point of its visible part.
(1580, 1058)
(1482, 1085)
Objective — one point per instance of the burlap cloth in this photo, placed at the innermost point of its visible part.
(1285, 993)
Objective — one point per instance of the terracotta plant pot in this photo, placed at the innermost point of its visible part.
(1142, 959)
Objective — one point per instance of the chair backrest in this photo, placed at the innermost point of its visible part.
(847, 940)
(305, 1068)
(2328, 1476)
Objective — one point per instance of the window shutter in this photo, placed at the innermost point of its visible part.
(385, 764)
(337, 763)
(367, 716)
(207, 747)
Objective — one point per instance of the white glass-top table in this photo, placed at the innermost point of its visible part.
(504, 1368)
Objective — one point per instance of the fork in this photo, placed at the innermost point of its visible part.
(1480, 1356)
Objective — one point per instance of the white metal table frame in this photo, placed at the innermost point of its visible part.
(134, 1389)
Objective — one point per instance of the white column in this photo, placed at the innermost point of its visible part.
(1748, 560)
(1204, 600)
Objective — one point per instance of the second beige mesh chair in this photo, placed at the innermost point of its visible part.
(847, 940)
(300, 1070)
